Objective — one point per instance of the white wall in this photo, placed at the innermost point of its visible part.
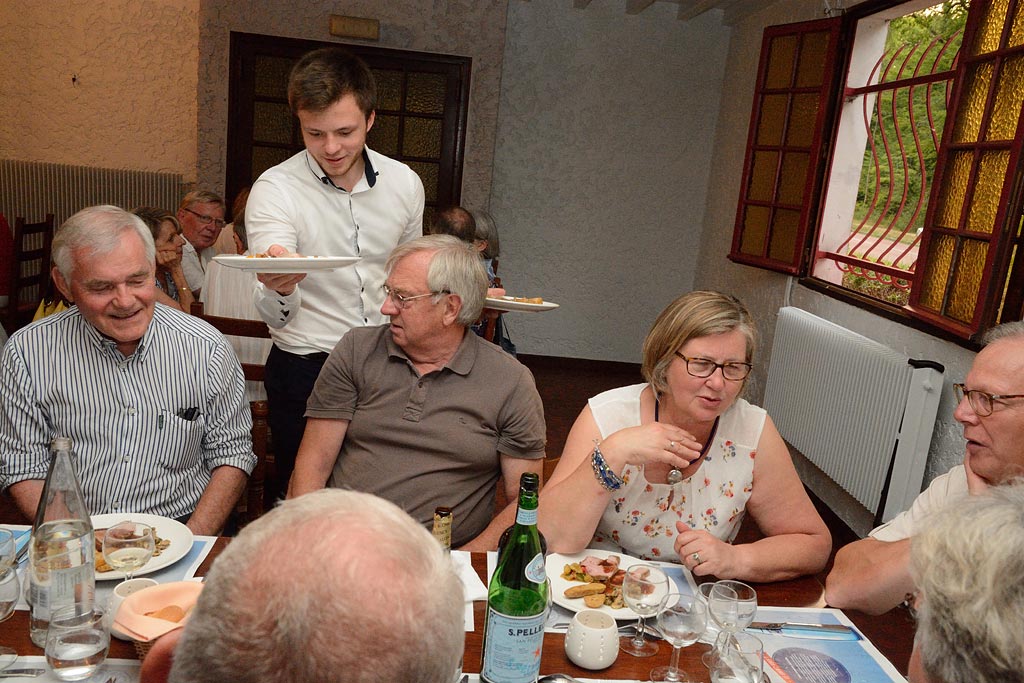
(766, 292)
(604, 144)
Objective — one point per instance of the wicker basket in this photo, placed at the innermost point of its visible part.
(141, 648)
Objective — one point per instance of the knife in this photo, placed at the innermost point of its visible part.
(22, 673)
(797, 626)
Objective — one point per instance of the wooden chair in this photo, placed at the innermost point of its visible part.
(238, 327)
(29, 278)
(254, 501)
(492, 322)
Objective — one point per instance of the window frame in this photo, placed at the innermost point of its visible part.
(999, 268)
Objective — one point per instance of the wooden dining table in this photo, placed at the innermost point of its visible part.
(892, 633)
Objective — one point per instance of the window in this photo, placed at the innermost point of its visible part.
(422, 104)
(918, 215)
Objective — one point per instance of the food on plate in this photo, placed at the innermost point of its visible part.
(101, 563)
(593, 572)
(265, 255)
(526, 299)
(600, 568)
(584, 590)
(168, 613)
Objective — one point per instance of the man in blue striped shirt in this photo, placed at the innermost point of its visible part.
(152, 398)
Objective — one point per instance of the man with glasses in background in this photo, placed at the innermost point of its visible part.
(872, 575)
(419, 411)
(201, 215)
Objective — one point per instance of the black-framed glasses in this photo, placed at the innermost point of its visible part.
(206, 220)
(403, 301)
(704, 367)
(982, 402)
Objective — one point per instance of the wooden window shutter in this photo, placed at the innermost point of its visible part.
(973, 220)
(782, 172)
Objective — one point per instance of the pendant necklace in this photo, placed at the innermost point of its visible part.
(675, 475)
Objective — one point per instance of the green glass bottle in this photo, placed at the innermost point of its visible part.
(517, 599)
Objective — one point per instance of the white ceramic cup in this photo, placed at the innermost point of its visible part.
(592, 641)
(122, 591)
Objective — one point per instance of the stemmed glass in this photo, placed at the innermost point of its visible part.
(732, 605)
(10, 589)
(682, 621)
(643, 589)
(128, 546)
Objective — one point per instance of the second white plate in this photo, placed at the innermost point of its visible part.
(556, 564)
(508, 303)
(285, 264)
(174, 531)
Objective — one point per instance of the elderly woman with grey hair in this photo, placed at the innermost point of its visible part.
(968, 565)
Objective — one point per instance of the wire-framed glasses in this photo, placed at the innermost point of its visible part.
(982, 402)
(704, 367)
(403, 301)
(206, 220)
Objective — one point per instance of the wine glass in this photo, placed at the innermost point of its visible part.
(128, 546)
(643, 589)
(10, 589)
(732, 605)
(740, 658)
(682, 621)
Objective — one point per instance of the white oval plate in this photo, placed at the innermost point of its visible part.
(174, 531)
(285, 264)
(556, 564)
(508, 303)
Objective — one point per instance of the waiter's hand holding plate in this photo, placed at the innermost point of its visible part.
(282, 283)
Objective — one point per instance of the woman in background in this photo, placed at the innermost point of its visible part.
(171, 287)
(668, 469)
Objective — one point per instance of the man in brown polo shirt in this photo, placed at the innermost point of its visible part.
(420, 412)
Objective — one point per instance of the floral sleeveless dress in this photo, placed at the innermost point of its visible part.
(640, 519)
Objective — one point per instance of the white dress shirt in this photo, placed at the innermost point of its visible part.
(295, 205)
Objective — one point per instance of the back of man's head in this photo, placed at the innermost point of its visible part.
(333, 586)
(322, 77)
(967, 566)
(457, 222)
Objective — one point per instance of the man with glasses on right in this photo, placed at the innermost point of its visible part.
(872, 575)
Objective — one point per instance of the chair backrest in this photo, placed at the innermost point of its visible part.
(492, 321)
(29, 278)
(253, 502)
(238, 327)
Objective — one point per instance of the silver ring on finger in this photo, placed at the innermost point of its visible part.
(671, 445)
(696, 558)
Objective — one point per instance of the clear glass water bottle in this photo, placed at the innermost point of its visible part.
(61, 553)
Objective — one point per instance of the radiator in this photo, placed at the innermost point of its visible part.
(858, 410)
(32, 189)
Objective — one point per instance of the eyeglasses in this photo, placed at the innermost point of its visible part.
(206, 220)
(703, 367)
(982, 403)
(403, 301)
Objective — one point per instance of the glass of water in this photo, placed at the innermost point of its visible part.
(76, 643)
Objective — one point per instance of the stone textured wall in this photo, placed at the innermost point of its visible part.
(132, 101)
(473, 28)
(605, 139)
(765, 292)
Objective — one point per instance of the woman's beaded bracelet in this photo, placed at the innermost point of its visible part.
(606, 476)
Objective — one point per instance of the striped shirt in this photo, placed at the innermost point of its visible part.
(147, 430)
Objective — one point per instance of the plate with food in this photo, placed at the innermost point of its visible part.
(591, 579)
(173, 542)
(519, 303)
(261, 263)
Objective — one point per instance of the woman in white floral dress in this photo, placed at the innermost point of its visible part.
(668, 469)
